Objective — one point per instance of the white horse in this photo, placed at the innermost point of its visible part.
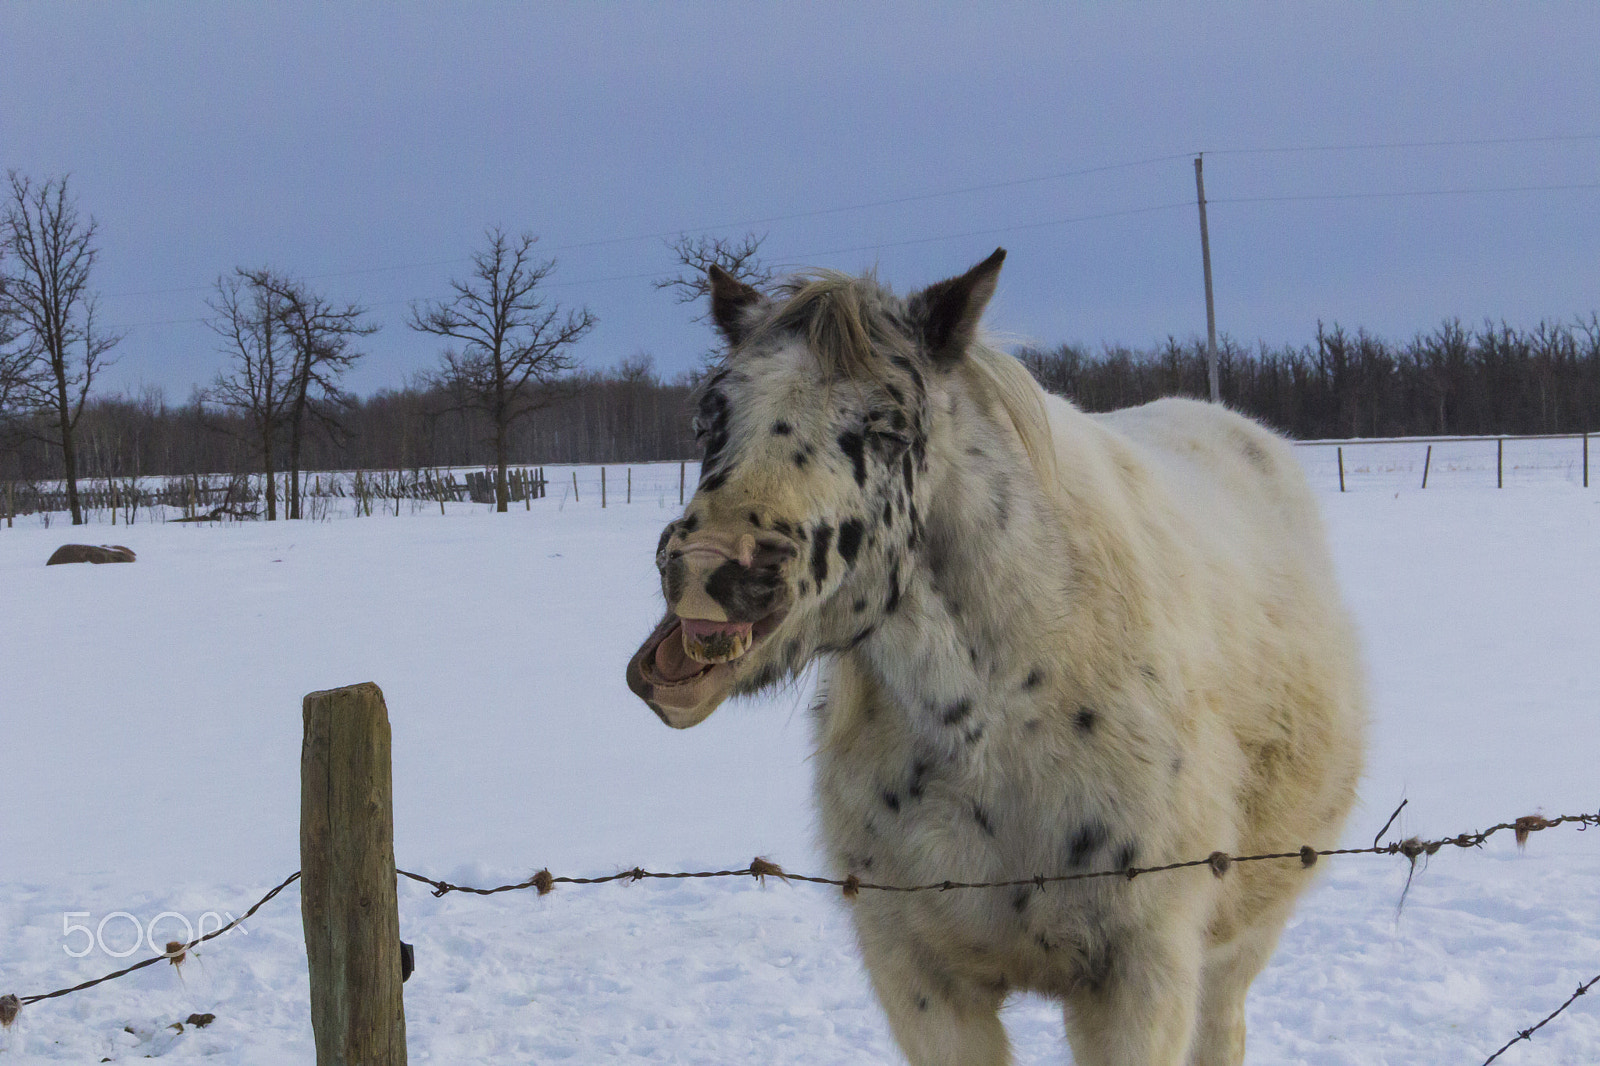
(1055, 643)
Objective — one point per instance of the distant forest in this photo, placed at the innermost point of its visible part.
(1454, 380)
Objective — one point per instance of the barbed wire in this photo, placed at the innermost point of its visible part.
(175, 953)
(1412, 848)
(1219, 862)
(1527, 1034)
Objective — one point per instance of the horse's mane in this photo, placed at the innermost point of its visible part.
(847, 324)
(838, 316)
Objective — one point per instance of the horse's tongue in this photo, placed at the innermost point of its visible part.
(672, 665)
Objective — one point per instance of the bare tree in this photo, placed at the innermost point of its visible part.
(321, 334)
(258, 382)
(50, 253)
(741, 258)
(508, 342)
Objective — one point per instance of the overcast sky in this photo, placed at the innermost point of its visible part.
(367, 147)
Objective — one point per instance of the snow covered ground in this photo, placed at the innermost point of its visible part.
(149, 747)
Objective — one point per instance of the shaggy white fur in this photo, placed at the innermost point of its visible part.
(1057, 643)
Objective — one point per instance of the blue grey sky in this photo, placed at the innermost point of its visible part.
(366, 147)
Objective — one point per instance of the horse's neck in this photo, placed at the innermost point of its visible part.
(972, 609)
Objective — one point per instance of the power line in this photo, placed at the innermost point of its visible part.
(939, 194)
(1377, 145)
(1289, 198)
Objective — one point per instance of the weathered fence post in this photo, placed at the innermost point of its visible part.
(1500, 463)
(602, 488)
(681, 466)
(347, 879)
(575, 487)
(1340, 450)
(630, 486)
(1585, 468)
(1426, 461)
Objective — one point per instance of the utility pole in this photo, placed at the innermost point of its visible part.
(1211, 311)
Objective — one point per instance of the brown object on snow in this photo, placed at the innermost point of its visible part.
(91, 553)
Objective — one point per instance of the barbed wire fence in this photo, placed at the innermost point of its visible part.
(1220, 863)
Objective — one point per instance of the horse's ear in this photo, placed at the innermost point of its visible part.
(730, 300)
(947, 313)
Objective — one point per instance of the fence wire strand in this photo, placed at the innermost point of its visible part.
(1219, 863)
(171, 955)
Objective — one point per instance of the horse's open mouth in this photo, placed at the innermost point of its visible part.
(687, 666)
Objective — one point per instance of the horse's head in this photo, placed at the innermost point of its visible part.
(815, 434)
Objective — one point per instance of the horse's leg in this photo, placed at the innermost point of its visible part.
(1141, 1011)
(936, 1020)
(1229, 970)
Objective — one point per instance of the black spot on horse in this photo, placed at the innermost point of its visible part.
(819, 553)
(746, 594)
(981, 816)
(1032, 725)
(893, 603)
(891, 800)
(689, 523)
(888, 512)
(854, 445)
(974, 734)
(800, 459)
(922, 1002)
(1177, 765)
(859, 606)
(1085, 720)
(1019, 899)
(919, 777)
(957, 711)
(1089, 838)
(855, 641)
(1034, 679)
(850, 533)
(781, 428)
(714, 481)
(755, 519)
(780, 526)
(1127, 854)
(905, 470)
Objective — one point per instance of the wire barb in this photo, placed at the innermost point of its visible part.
(1527, 1034)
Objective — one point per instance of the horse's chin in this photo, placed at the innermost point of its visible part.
(684, 690)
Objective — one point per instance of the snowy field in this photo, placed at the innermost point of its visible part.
(149, 761)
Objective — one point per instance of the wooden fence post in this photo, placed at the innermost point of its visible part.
(681, 466)
(630, 486)
(1341, 467)
(1427, 460)
(575, 486)
(1500, 463)
(602, 488)
(1585, 467)
(347, 880)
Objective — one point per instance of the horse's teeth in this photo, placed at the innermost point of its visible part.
(717, 647)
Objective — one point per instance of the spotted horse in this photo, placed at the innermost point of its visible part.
(1052, 643)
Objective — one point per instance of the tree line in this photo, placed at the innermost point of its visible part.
(1453, 380)
(508, 387)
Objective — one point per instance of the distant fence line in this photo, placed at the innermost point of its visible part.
(200, 497)
(1391, 461)
(1397, 459)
